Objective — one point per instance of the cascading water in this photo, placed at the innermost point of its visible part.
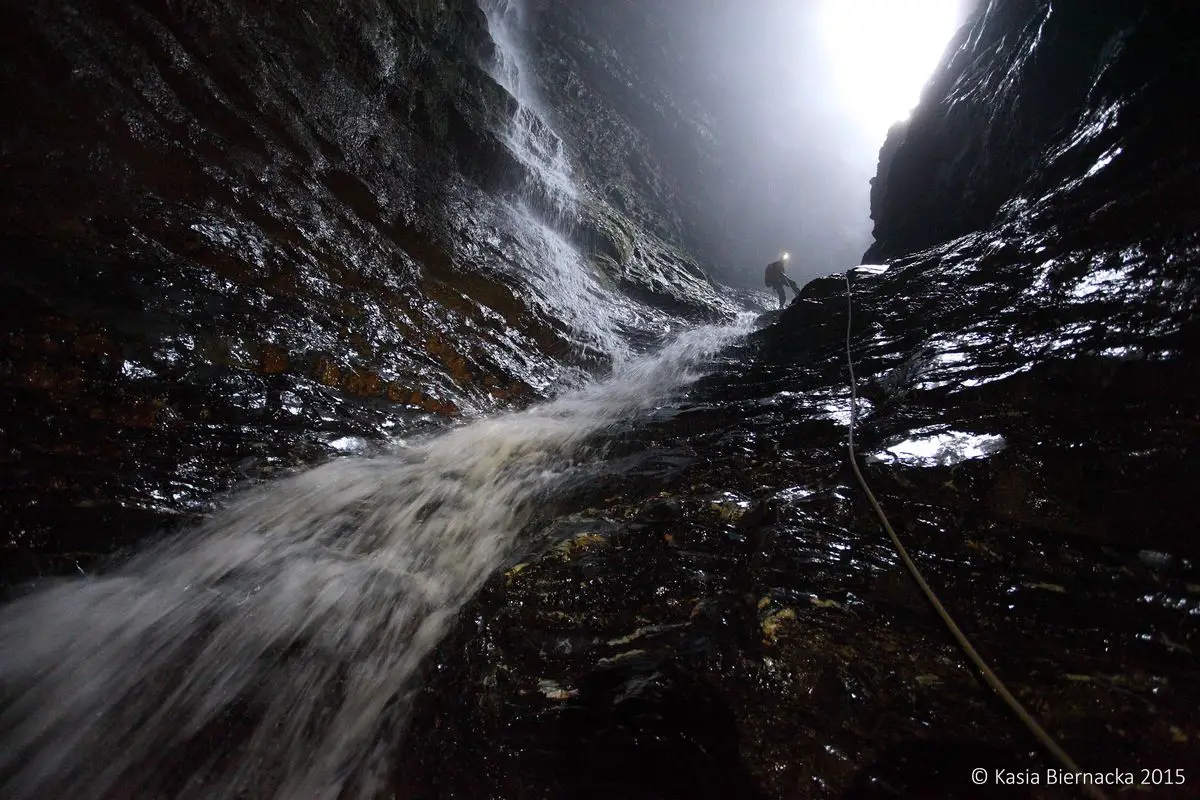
(548, 205)
(530, 138)
(270, 652)
(596, 314)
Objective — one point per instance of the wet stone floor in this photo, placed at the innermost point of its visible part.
(719, 613)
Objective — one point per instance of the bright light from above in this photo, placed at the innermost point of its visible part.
(882, 52)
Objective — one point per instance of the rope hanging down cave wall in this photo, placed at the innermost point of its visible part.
(981, 666)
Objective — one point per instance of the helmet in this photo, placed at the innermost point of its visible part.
(785, 256)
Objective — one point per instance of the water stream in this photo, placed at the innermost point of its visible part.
(530, 138)
(548, 206)
(260, 654)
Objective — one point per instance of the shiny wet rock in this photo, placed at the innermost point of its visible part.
(231, 238)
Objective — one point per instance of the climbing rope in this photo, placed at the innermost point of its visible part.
(989, 676)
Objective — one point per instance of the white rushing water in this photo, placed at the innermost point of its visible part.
(561, 280)
(530, 138)
(294, 620)
(566, 289)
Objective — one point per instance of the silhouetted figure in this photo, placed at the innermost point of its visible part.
(776, 279)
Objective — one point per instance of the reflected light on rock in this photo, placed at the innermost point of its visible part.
(941, 449)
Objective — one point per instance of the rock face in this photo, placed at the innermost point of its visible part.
(1031, 93)
(239, 239)
(607, 69)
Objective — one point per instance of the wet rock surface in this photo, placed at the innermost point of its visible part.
(241, 240)
(1032, 93)
(729, 619)
(609, 73)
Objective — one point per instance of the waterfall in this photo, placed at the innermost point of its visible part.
(530, 138)
(569, 291)
(547, 211)
(271, 652)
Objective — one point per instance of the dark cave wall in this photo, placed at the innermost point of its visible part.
(234, 233)
(1044, 195)
(1031, 95)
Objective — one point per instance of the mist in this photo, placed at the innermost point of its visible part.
(798, 96)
